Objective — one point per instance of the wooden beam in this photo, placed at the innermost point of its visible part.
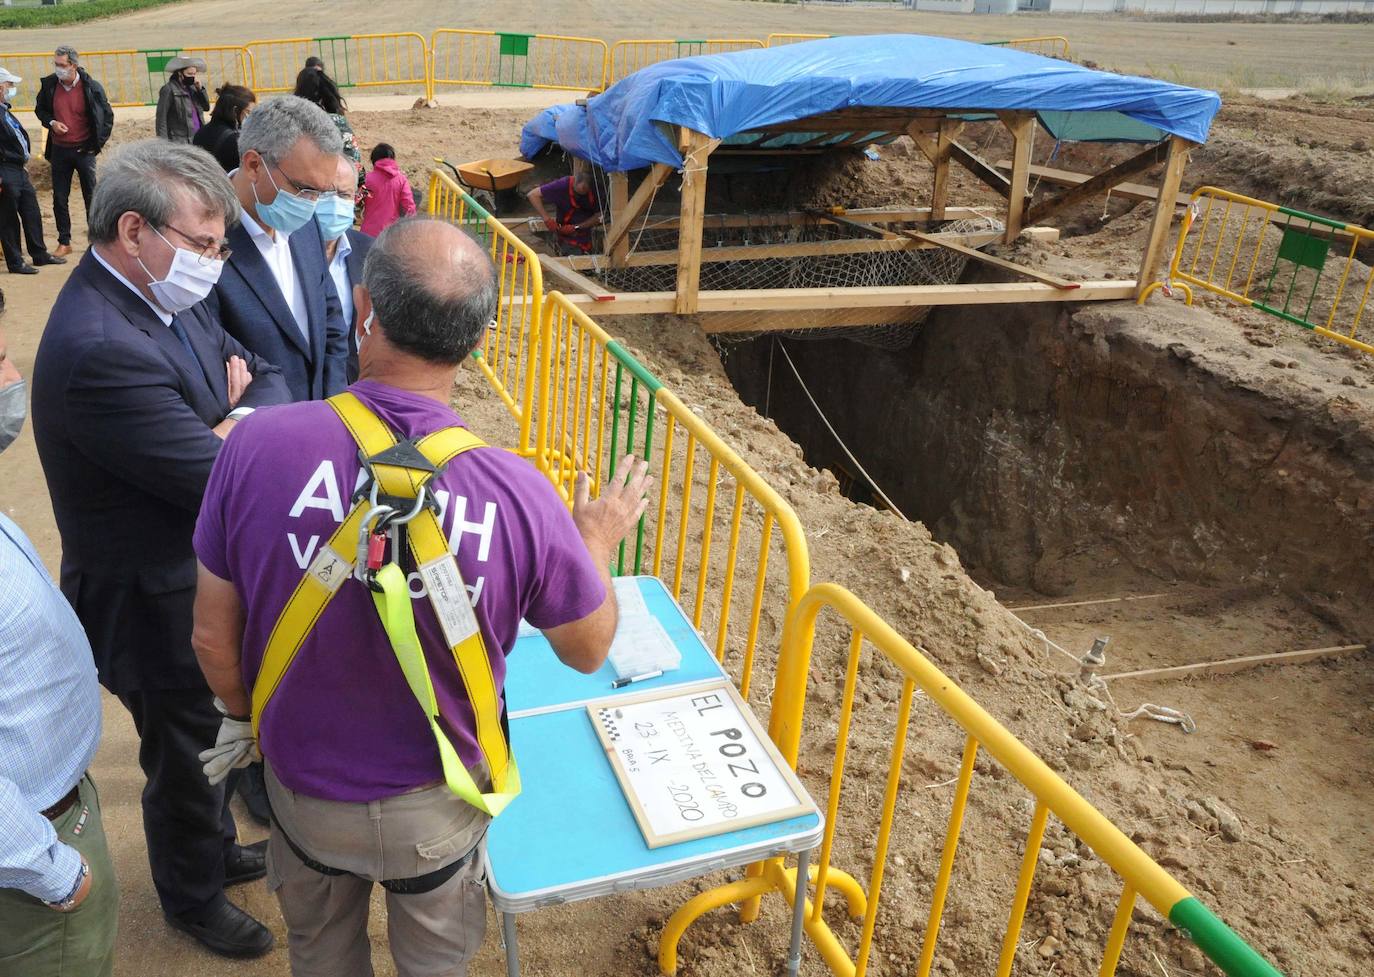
(620, 202)
(804, 300)
(574, 279)
(1242, 663)
(871, 215)
(979, 167)
(1068, 178)
(996, 262)
(1164, 211)
(696, 148)
(643, 194)
(1021, 125)
(1099, 183)
(939, 193)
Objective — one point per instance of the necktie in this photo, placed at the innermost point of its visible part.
(180, 331)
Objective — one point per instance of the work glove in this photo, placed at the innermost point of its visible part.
(234, 746)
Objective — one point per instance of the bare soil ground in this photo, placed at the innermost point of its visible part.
(1293, 879)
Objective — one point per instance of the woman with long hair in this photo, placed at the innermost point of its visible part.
(312, 84)
(220, 136)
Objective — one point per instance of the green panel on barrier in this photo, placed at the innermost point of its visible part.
(157, 63)
(1303, 249)
(157, 59)
(338, 68)
(513, 65)
(1221, 944)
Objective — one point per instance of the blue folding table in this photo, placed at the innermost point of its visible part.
(570, 834)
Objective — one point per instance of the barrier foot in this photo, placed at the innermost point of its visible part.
(699, 906)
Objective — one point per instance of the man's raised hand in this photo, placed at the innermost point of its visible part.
(609, 518)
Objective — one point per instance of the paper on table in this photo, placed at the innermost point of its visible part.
(640, 645)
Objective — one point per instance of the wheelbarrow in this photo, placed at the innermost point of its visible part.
(493, 182)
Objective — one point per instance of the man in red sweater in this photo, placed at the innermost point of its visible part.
(73, 107)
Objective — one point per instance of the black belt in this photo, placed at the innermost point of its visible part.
(401, 887)
(65, 804)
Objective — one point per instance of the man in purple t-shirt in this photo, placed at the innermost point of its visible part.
(569, 209)
(353, 769)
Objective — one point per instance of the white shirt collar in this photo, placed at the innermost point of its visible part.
(258, 232)
(343, 249)
(162, 314)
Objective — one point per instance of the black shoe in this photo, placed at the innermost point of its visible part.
(49, 259)
(253, 789)
(24, 270)
(228, 931)
(245, 863)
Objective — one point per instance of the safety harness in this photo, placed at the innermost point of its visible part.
(396, 504)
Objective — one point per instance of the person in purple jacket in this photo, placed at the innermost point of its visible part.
(355, 777)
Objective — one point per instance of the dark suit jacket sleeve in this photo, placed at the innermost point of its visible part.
(104, 122)
(335, 338)
(126, 413)
(42, 107)
(268, 386)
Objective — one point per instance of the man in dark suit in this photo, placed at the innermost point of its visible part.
(276, 296)
(135, 387)
(345, 248)
(18, 201)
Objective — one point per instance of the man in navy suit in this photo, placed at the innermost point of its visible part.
(18, 201)
(345, 248)
(135, 388)
(276, 296)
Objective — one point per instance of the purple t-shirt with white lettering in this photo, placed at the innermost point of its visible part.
(343, 725)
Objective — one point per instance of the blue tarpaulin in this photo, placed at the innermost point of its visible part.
(722, 95)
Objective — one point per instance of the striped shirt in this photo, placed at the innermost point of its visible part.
(49, 718)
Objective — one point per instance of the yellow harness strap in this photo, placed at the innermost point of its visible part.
(334, 563)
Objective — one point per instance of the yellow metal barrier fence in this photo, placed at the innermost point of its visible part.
(714, 524)
(627, 57)
(1299, 267)
(1140, 874)
(1050, 45)
(134, 76)
(509, 355)
(467, 57)
(352, 60)
(778, 40)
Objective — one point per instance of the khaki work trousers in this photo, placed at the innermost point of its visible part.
(431, 934)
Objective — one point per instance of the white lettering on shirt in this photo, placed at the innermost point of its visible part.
(302, 556)
(325, 478)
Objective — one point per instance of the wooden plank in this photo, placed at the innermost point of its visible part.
(620, 203)
(994, 261)
(1068, 178)
(1021, 125)
(1100, 183)
(979, 167)
(868, 297)
(556, 268)
(696, 149)
(1241, 664)
(869, 215)
(643, 194)
(1164, 212)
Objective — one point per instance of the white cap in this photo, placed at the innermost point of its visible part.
(9, 76)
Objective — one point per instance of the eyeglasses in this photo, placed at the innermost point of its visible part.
(312, 194)
(207, 249)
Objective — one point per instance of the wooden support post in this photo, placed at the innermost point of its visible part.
(939, 194)
(637, 204)
(620, 202)
(1179, 149)
(1021, 125)
(695, 148)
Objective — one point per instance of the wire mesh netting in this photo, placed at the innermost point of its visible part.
(852, 262)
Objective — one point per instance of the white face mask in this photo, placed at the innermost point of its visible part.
(10, 92)
(66, 74)
(189, 280)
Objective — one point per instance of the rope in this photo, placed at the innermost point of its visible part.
(838, 440)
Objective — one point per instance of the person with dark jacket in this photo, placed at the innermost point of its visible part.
(220, 136)
(72, 106)
(135, 388)
(18, 201)
(182, 101)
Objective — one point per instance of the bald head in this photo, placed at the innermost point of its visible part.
(433, 289)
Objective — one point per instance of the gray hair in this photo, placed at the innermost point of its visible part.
(152, 178)
(274, 128)
(434, 310)
(68, 52)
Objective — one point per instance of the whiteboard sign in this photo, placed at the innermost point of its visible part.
(695, 763)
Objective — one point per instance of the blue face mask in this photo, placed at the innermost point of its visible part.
(334, 215)
(285, 213)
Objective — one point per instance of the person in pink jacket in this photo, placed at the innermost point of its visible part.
(388, 192)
